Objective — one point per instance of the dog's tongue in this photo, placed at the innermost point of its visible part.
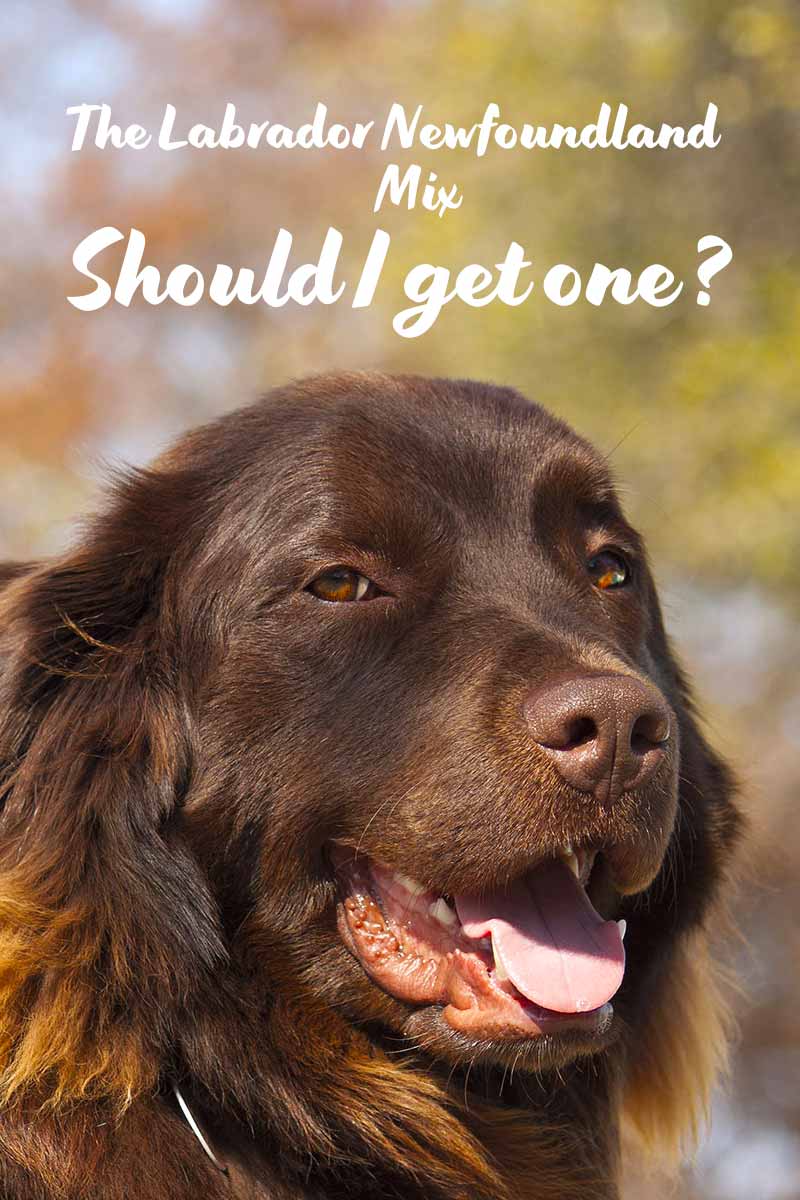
(556, 948)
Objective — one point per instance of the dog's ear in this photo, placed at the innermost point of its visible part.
(107, 927)
(680, 1044)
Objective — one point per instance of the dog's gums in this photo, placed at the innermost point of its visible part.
(531, 959)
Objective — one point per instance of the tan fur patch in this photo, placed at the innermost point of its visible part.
(48, 991)
(682, 1053)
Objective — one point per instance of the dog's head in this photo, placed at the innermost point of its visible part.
(361, 695)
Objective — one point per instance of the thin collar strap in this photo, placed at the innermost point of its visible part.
(196, 1130)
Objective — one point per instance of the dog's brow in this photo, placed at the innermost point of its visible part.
(578, 470)
(604, 513)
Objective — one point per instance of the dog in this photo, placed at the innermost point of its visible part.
(358, 836)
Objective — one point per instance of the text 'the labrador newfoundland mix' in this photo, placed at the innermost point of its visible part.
(358, 837)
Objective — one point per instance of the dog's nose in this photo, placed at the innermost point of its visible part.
(606, 734)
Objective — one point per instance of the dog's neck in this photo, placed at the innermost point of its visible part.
(485, 1138)
(324, 1116)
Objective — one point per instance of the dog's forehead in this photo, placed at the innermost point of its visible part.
(471, 448)
(410, 468)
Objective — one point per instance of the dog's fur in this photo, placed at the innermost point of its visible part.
(184, 732)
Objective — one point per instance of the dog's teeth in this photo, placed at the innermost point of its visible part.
(500, 971)
(411, 885)
(441, 911)
(569, 857)
(623, 925)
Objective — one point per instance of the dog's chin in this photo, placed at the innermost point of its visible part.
(552, 1047)
(458, 1002)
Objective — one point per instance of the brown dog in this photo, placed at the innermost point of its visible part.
(330, 759)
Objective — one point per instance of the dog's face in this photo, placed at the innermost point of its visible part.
(443, 742)
(365, 691)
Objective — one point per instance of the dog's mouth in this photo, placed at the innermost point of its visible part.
(531, 959)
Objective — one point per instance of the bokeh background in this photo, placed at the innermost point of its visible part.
(698, 407)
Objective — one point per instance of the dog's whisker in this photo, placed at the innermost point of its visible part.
(374, 817)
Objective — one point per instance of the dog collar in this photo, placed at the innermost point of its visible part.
(196, 1130)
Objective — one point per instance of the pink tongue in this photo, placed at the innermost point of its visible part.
(557, 949)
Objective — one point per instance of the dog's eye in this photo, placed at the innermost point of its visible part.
(340, 585)
(608, 570)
